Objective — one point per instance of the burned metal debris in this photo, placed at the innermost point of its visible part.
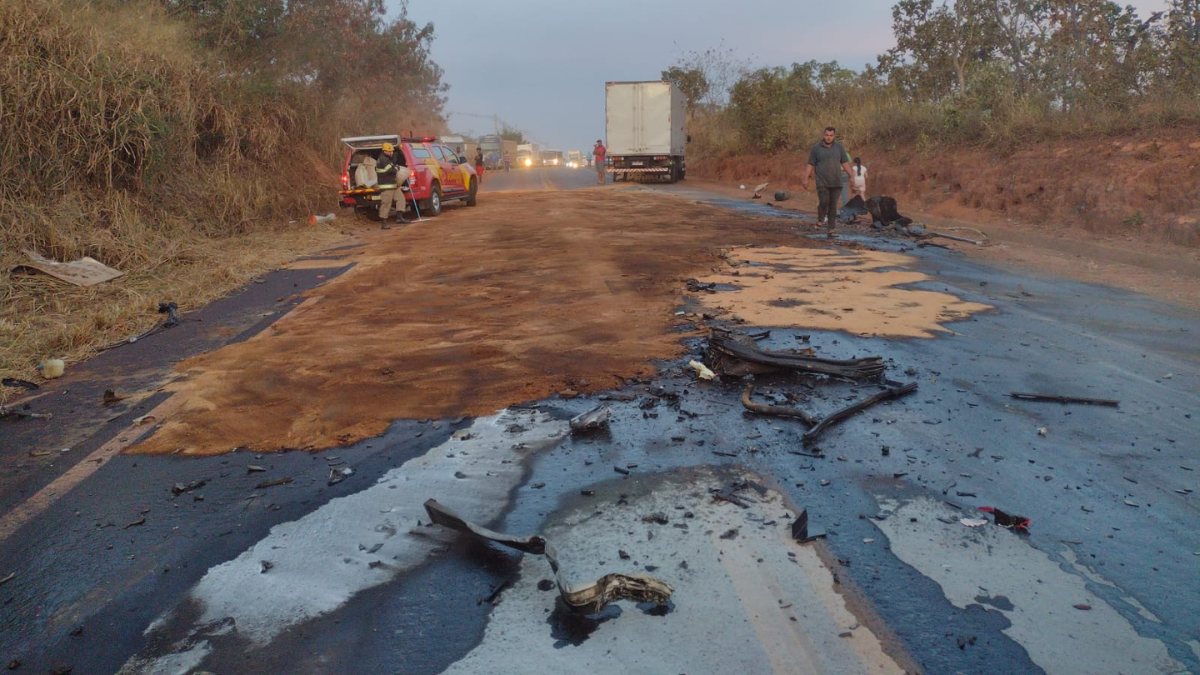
(728, 355)
(819, 425)
(596, 418)
(584, 598)
(1054, 398)
(736, 354)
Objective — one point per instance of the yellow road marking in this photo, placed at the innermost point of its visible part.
(46, 497)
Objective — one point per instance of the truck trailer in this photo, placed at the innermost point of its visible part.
(529, 155)
(646, 127)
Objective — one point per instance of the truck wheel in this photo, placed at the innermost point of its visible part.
(472, 193)
(433, 206)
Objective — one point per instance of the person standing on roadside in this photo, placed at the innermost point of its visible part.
(507, 160)
(479, 164)
(599, 152)
(858, 181)
(825, 159)
(387, 175)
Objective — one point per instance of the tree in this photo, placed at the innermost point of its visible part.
(936, 47)
(719, 68)
(512, 134)
(691, 83)
(1182, 46)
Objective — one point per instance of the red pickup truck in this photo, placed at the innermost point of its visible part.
(438, 175)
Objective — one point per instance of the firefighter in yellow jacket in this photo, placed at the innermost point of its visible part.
(387, 172)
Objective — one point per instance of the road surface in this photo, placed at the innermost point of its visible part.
(241, 561)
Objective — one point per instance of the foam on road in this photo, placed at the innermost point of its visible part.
(321, 561)
(749, 602)
(1034, 592)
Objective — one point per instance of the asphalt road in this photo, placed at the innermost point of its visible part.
(112, 571)
(550, 178)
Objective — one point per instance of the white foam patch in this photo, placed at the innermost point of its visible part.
(741, 605)
(322, 560)
(968, 562)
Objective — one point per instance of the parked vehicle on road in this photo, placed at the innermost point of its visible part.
(493, 148)
(458, 144)
(437, 174)
(646, 126)
(529, 155)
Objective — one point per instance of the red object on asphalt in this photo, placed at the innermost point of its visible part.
(1019, 523)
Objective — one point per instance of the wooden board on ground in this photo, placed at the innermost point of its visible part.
(83, 272)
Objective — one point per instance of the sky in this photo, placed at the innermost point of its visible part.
(541, 65)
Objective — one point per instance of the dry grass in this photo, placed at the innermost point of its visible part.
(120, 142)
(41, 317)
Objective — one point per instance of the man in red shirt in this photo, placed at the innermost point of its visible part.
(599, 151)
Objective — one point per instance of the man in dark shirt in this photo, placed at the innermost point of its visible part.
(829, 160)
(479, 164)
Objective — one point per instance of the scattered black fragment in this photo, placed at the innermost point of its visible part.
(273, 482)
(800, 529)
(723, 495)
(656, 517)
(731, 533)
(14, 382)
(180, 488)
(621, 470)
(1055, 398)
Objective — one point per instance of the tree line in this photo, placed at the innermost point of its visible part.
(346, 53)
(971, 71)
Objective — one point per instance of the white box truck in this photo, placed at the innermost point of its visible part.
(646, 124)
(529, 155)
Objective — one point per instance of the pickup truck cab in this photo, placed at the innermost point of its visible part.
(438, 175)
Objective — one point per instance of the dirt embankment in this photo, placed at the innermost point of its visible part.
(1144, 187)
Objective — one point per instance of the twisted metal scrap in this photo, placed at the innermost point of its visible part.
(819, 425)
(736, 358)
(584, 598)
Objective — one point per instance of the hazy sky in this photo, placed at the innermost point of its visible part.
(541, 65)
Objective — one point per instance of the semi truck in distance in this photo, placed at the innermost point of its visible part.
(647, 130)
(529, 155)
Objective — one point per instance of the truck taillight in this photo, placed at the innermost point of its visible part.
(345, 181)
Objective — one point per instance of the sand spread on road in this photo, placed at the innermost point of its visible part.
(857, 291)
(528, 295)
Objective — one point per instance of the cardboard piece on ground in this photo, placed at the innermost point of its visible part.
(83, 272)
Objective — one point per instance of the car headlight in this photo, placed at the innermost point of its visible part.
(529, 162)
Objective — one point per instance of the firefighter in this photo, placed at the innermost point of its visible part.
(387, 171)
